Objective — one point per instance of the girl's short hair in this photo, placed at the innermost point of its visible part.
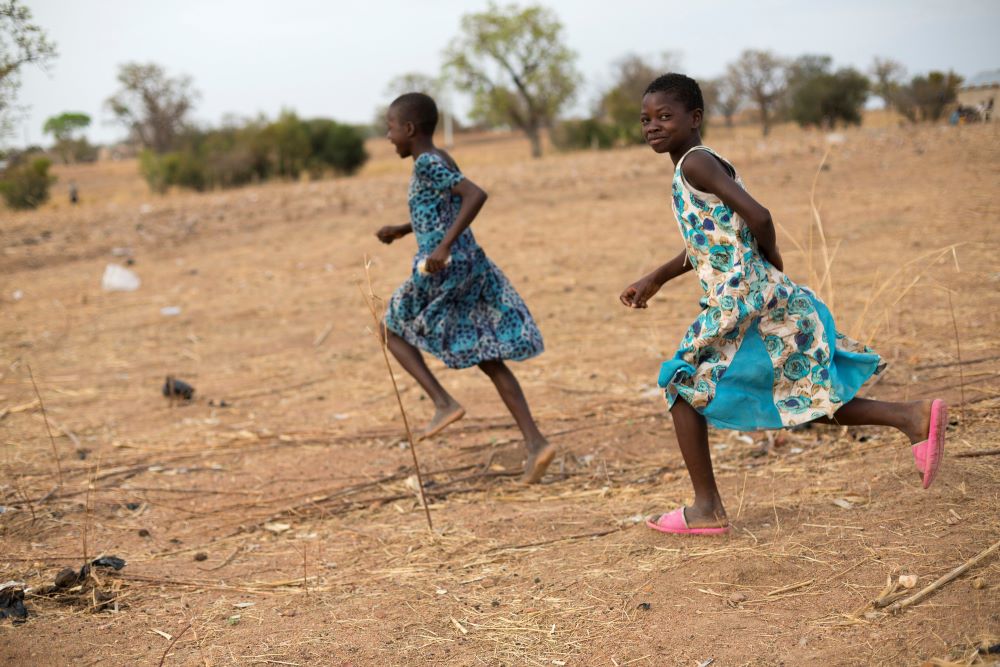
(685, 89)
(419, 109)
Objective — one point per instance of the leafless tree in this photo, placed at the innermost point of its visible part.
(152, 105)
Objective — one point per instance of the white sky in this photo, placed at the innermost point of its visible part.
(334, 58)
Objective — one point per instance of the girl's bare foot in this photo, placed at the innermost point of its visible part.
(538, 462)
(444, 417)
(918, 423)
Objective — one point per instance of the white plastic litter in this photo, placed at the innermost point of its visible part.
(422, 265)
(17, 295)
(170, 311)
(119, 279)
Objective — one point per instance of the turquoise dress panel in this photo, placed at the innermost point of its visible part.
(764, 352)
(469, 312)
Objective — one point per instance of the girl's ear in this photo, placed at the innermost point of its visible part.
(410, 128)
(696, 117)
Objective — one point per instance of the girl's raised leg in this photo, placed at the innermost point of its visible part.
(692, 437)
(912, 418)
(448, 410)
(540, 452)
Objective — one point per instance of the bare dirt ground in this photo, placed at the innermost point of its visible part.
(280, 529)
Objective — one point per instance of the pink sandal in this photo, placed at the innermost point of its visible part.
(675, 522)
(928, 454)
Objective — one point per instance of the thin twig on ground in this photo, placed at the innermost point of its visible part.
(45, 416)
(954, 574)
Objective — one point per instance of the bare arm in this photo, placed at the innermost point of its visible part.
(473, 198)
(707, 174)
(638, 293)
(390, 233)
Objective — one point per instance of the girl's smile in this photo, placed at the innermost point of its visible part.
(666, 124)
(398, 135)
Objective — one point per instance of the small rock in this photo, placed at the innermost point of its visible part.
(276, 527)
(737, 598)
(978, 583)
(645, 606)
(201, 555)
(143, 532)
(907, 580)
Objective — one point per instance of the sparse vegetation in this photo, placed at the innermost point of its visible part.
(25, 185)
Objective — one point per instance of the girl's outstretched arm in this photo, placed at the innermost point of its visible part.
(473, 198)
(707, 174)
(390, 233)
(638, 293)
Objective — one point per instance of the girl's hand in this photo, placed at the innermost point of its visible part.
(638, 293)
(437, 260)
(390, 233)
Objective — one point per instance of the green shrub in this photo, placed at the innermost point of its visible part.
(255, 151)
(26, 185)
(587, 133)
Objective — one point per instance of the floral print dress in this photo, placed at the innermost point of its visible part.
(763, 353)
(468, 312)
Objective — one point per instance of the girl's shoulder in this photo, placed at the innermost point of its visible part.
(430, 159)
(437, 170)
(701, 157)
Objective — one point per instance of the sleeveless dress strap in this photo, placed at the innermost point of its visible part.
(701, 147)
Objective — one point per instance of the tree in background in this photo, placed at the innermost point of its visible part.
(62, 128)
(414, 82)
(760, 77)
(516, 67)
(722, 97)
(819, 96)
(930, 95)
(21, 43)
(887, 76)
(151, 105)
(620, 104)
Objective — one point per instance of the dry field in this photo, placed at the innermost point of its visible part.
(278, 527)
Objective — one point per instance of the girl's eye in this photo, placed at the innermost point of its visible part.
(665, 117)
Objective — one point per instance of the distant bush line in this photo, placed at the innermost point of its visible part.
(256, 151)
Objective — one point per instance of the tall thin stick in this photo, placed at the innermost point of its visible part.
(827, 260)
(55, 451)
(958, 350)
(373, 300)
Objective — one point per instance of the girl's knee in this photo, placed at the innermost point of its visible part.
(491, 367)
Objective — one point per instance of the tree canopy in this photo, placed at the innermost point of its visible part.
(760, 79)
(513, 62)
(21, 43)
(152, 105)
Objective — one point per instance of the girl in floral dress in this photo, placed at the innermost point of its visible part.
(764, 353)
(456, 304)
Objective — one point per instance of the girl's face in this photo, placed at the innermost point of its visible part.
(666, 124)
(399, 133)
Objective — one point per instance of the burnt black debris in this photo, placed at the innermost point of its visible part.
(12, 602)
(174, 388)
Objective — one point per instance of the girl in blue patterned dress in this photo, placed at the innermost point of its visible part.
(764, 353)
(456, 304)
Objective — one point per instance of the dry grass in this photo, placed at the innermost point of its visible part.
(296, 492)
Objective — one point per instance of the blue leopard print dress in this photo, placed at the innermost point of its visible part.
(469, 312)
(764, 353)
